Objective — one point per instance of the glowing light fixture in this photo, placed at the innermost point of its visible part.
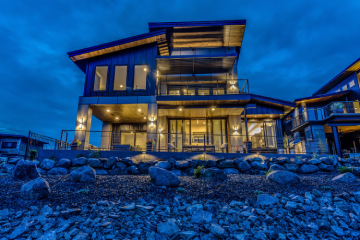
(204, 122)
(81, 123)
(108, 110)
(117, 118)
(144, 117)
(145, 69)
(180, 109)
(213, 109)
(121, 86)
(232, 87)
(235, 128)
(139, 110)
(157, 73)
(152, 119)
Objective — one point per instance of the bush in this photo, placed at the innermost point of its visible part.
(33, 154)
(200, 158)
(258, 192)
(197, 171)
(181, 189)
(95, 154)
(268, 172)
(52, 157)
(298, 157)
(326, 187)
(315, 155)
(84, 191)
(79, 155)
(345, 169)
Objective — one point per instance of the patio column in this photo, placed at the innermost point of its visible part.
(151, 123)
(337, 140)
(236, 140)
(83, 125)
(106, 136)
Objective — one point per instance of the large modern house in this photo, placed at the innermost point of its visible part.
(331, 115)
(176, 88)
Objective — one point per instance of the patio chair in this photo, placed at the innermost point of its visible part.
(171, 147)
(224, 146)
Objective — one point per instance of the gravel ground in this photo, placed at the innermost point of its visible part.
(130, 188)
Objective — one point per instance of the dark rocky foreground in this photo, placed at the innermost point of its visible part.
(131, 188)
(132, 208)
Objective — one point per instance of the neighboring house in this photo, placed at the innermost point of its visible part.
(331, 115)
(176, 88)
(15, 145)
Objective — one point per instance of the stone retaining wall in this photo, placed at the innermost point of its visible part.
(130, 166)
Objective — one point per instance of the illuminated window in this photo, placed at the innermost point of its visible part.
(120, 77)
(344, 88)
(140, 77)
(352, 83)
(100, 78)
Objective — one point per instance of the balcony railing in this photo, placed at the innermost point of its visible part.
(333, 108)
(203, 87)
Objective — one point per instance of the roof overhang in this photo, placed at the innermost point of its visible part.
(203, 33)
(198, 64)
(354, 67)
(322, 97)
(158, 37)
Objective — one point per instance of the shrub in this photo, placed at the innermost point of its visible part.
(181, 189)
(258, 192)
(268, 172)
(79, 155)
(298, 157)
(52, 157)
(197, 171)
(315, 155)
(333, 157)
(84, 191)
(345, 169)
(200, 158)
(95, 154)
(326, 187)
(33, 154)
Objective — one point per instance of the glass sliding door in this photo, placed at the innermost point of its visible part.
(218, 133)
(270, 134)
(176, 134)
(137, 140)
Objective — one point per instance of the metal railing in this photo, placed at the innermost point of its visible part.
(195, 142)
(333, 108)
(38, 142)
(202, 87)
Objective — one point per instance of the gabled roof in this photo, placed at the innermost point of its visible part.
(354, 67)
(203, 34)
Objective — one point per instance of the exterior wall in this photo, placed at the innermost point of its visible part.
(135, 56)
(346, 82)
(20, 146)
(201, 51)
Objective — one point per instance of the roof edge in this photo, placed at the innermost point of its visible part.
(153, 25)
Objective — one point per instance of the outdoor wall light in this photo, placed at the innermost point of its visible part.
(157, 73)
(152, 119)
(145, 69)
(235, 128)
(213, 109)
(139, 110)
(144, 117)
(232, 82)
(121, 86)
(81, 120)
(108, 110)
(180, 109)
(151, 124)
(232, 87)
(81, 123)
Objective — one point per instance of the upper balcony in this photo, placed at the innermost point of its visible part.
(207, 87)
(337, 108)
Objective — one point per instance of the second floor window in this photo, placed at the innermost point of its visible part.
(100, 78)
(120, 77)
(140, 74)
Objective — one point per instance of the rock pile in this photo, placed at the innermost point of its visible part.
(314, 215)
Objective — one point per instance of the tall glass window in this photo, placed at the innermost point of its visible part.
(100, 78)
(140, 77)
(120, 78)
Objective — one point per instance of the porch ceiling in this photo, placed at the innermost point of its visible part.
(200, 112)
(126, 113)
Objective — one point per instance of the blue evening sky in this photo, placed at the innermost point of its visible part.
(290, 48)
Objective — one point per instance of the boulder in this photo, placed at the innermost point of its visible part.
(25, 170)
(167, 229)
(201, 217)
(326, 168)
(291, 167)
(177, 172)
(133, 170)
(259, 166)
(47, 164)
(345, 178)
(275, 167)
(143, 167)
(58, 171)
(14, 160)
(197, 162)
(95, 163)
(296, 161)
(163, 165)
(328, 161)
(63, 163)
(42, 171)
(243, 166)
(7, 168)
(283, 177)
(83, 174)
(181, 164)
(314, 161)
(162, 177)
(78, 162)
(128, 161)
(226, 164)
(211, 163)
(110, 163)
(101, 172)
(118, 171)
(231, 171)
(36, 189)
(265, 200)
(121, 165)
(283, 160)
(308, 168)
(356, 171)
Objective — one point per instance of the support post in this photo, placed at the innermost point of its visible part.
(247, 133)
(337, 140)
(83, 125)
(106, 136)
(152, 122)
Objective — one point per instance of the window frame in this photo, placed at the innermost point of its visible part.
(127, 77)
(146, 80)
(107, 78)
(11, 147)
